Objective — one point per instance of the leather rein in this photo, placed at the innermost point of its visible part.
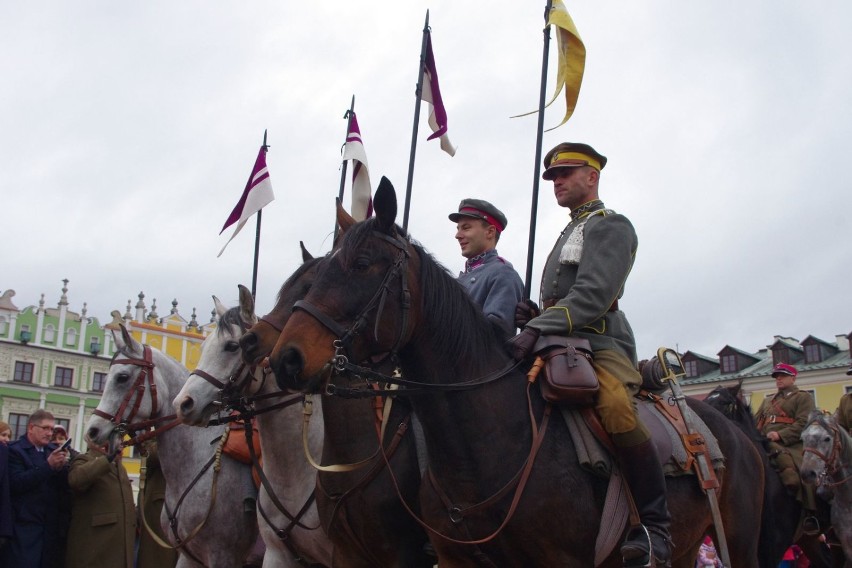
(833, 462)
(229, 397)
(339, 363)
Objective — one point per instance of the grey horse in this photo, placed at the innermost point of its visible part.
(207, 507)
(220, 371)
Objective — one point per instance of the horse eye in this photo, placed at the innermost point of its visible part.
(361, 263)
(122, 377)
(232, 346)
(827, 439)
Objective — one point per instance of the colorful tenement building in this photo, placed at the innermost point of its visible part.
(57, 359)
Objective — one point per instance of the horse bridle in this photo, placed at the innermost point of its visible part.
(144, 381)
(346, 335)
(832, 461)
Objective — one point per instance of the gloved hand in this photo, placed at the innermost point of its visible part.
(522, 344)
(525, 310)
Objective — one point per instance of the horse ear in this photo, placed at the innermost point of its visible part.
(220, 307)
(306, 256)
(246, 305)
(125, 342)
(344, 219)
(384, 204)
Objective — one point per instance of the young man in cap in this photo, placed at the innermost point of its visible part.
(583, 279)
(781, 418)
(489, 279)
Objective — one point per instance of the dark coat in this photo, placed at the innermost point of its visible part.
(5, 503)
(103, 518)
(36, 493)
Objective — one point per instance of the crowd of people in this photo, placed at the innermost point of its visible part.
(60, 508)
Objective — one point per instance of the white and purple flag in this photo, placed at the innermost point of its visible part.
(257, 195)
(362, 193)
(432, 95)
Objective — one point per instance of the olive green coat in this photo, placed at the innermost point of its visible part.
(153, 495)
(795, 404)
(844, 412)
(103, 519)
(585, 290)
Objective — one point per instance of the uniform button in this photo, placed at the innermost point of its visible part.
(554, 283)
(473, 279)
(558, 271)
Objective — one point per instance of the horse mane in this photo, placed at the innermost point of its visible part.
(304, 267)
(735, 409)
(457, 329)
(229, 318)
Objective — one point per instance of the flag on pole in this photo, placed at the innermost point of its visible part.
(257, 195)
(432, 95)
(362, 193)
(572, 59)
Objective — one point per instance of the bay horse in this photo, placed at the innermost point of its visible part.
(204, 490)
(827, 462)
(781, 511)
(287, 512)
(359, 506)
(498, 492)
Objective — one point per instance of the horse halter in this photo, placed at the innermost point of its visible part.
(146, 364)
(832, 461)
(346, 335)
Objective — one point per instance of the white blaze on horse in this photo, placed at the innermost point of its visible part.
(827, 462)
(287, 512)
(205, 501)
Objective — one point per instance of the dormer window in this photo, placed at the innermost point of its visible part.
(781, 355)
(813, 354)
(691, 368)
(729, 363)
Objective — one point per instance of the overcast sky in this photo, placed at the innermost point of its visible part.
(128, 130)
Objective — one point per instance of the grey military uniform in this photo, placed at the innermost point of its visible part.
(583, 278)
(493, 284)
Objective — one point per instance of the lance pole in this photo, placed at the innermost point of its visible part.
(538, 137)
(348, 116)
(419, 93)
(265, 149)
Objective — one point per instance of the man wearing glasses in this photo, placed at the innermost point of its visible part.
(38, 482)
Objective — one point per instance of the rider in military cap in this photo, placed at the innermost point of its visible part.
(583, 279)
(489, 279)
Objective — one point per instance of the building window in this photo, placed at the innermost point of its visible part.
(729, 363)
(65, 423)
(813, 354)
(98, 382)
(18, 423)
(691, 368)
(64, 377)
(4, 325)
(23, 372)
(848, 389)
(71, 337)
(780, 356)
(49, 333)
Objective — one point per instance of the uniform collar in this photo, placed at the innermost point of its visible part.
(472, 264)
(586, 208)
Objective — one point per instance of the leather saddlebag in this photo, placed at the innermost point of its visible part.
(569, 377)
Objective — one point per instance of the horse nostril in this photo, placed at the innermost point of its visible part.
(292, 362)
(248, 341)
(93, 433)
(187, 405)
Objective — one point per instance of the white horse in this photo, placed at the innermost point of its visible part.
(288, 519)
(204, 490)
(827, 462)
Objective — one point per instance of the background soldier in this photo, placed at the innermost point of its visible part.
(781, 418)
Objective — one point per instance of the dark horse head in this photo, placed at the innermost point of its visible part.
(367, 301)
(730, 402)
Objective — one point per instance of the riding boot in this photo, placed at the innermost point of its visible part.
(643, 473)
